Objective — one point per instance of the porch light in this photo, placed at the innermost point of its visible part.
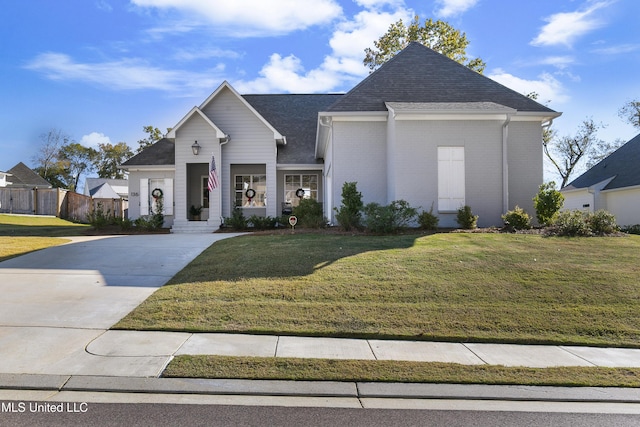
(195, 148)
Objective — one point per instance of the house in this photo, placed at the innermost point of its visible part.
(3, 178)
(422, 128)
(106, 188)
(21, 176)
(613, 185)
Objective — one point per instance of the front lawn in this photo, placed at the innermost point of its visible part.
(448, 287)
(21, 234)
(44, 226)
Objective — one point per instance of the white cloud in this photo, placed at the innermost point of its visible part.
(449, 8)
(560, 62)
(546, 86)
(340, 69)
(620, 49)
(124, 74)
(564, 28)
(251, 18)
(94, 139)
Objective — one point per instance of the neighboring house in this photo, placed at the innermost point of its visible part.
(613, 185)
(422, 128)
(3, 178)
(21, 176)
(113, 188)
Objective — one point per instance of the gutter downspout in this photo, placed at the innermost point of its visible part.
(326, 197)
(223, 141)
(505, 164)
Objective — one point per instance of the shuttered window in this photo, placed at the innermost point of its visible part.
(451, 187)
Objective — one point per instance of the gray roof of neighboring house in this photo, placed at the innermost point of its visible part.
(162, 152)
(623, 164)
(419, 74)
(119, 186)
(104, 191)
(295, 117)
(23, 176)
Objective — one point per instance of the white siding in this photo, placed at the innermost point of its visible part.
(252, 142)
(578, 199)
(360, 155)
(624, 204)
(525, 164)
(417, 145)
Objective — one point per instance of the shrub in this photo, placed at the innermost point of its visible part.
(602, 222)
(309, 214)
(466, 219)
(517, 219)
(390, 218)
(428, 220)
(262, 222)
(124, 223)
(572, 223)
(350, 213)
(547, 203)
(631, 229)
(99, 218)
(237, 220)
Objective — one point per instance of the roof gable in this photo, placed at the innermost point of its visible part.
(195, 111)
(419, 74)
(22, 176)
(621, 165)
(226, 86)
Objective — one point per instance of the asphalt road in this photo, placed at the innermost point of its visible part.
(132, 415)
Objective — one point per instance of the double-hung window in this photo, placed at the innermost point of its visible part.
(306, 182)
(257, 183)
(451, 188)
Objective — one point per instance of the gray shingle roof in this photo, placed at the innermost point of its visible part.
(623, 164)
(295, 117)
(23, 176)
(419, 74)
(162, 152)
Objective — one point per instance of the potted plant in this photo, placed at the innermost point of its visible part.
(195, 212)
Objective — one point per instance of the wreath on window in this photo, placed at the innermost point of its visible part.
(300, 193)
(156, 193)
(250, 193)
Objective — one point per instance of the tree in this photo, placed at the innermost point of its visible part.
(630, 112)
(437, 35)
(46, 159)
(76, 159)
(154, 133)
(565, 153)
(109, 157)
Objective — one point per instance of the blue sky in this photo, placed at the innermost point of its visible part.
(100, 70)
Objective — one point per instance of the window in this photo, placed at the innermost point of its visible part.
(257, 183)
(451, 195)
(309, 183)
(204, 189)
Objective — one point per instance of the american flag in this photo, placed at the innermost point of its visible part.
(213, 176)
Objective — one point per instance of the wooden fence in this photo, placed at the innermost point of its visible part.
(57, 202)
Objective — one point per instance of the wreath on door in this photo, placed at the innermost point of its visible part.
(156, 193)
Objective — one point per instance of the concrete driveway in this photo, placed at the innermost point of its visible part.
(56, 301)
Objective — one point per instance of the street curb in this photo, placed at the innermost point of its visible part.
(318, 388)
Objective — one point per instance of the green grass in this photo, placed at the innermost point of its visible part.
(44, 226)
(21, 234)
(257, 368)
(445, 287)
